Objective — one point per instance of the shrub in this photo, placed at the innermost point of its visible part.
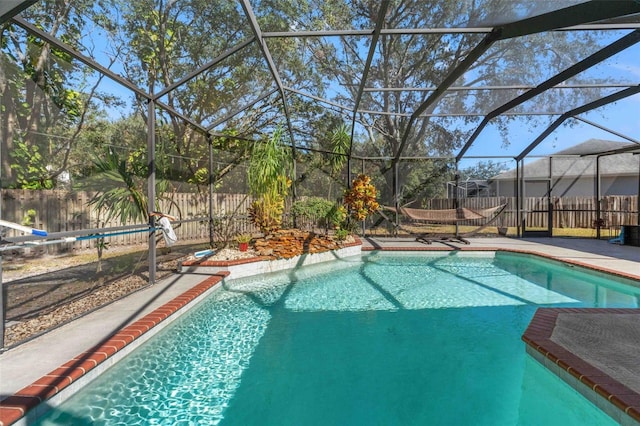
(312, 209)
(337, 216)
(342, 234)
(268, 181)
(361, 198)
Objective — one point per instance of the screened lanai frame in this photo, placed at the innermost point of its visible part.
(571, 15)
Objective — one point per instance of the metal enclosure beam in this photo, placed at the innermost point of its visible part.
(625, 150)
(151, 186)
(255, 27)
(99, 68)
(319, 99)
(253, 21)
(344, 109)
(604, 53)
(519, 197)
(441, 30)
(382, 13)
(186, 119)
(80, 57)
(456, 73)
(204, 68)
(241, 109)
(606, 129)
(588, 107)
(582, 13)
(211, 186)
(509, 87)
(8, 11)
(598, 197)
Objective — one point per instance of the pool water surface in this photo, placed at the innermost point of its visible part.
(386, 338)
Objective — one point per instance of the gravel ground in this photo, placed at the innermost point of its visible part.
(41, 295)
(45, 292)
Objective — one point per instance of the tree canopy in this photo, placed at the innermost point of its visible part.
(211, 68)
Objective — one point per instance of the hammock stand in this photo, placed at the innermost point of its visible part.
(448, 217)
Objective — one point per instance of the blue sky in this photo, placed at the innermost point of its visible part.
(622, 117)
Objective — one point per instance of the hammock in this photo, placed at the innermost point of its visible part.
(450, 216)
(447, 216)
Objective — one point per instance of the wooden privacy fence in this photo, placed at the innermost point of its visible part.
(62, 211)
(568, 212)
(59, 211)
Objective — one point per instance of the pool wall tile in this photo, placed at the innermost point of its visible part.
(635, 277)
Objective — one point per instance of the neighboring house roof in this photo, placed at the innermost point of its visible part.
(611, 165)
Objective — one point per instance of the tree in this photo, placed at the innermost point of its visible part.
(483, 170)
(45, 99)
(269, 182)
(421, 61)
(159, 42)
(167, 40)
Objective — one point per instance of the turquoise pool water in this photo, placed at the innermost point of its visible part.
(386, 339)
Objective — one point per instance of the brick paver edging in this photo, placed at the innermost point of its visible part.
(17, 406)
(206, 262)
(538, 337)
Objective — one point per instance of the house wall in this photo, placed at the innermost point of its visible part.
(570, 187)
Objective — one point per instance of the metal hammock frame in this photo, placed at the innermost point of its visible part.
(448, 217)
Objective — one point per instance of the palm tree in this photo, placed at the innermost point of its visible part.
(269, 182)
(124, 199)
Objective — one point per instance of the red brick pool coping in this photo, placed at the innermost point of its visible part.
(235, 262)
(16, 406)
(538, 337)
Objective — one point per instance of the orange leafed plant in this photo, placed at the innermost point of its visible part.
(361, 198)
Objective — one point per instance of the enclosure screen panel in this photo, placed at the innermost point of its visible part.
(10, 8)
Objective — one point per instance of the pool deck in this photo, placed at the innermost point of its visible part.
(558, 338)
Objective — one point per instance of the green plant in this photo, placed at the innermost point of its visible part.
(340, 143)
(342, 234)
(29, 165)
(313, 208)
(29, 217)
(337, 216)
(266, 213)
(124, 198)
(243, 238)
(360, 199)
(120, 182)
(269, 182)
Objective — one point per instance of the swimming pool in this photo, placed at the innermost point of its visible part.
(389, 338)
